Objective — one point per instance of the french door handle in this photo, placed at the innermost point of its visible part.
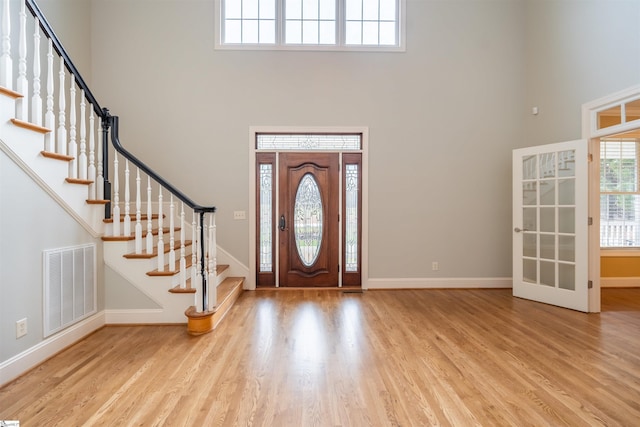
(282, 223)
(518, 230)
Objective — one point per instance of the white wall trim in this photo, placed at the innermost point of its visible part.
(137, 316)
(236, 267)
(441, 283)
(30, 358)
(620, 282)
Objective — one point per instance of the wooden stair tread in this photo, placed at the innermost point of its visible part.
(56, 156)
(165, 231)
(230, 288)
(167, 249)
(30, 126)
(10, 93)
(78, 181)
(228, 293)
(219, 269)
(170, 272)
(143, 217)
(98, 202)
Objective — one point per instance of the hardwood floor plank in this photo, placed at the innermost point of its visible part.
(327, 358)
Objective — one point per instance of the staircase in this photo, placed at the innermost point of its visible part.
(161, 242)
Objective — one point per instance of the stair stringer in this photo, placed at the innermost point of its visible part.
(24, 147)
(172, 305)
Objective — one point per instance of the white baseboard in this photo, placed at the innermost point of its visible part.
(441, 283)
(28, 359)
(620, 282)
(137, 317)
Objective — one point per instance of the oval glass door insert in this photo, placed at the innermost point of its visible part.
(307, 222)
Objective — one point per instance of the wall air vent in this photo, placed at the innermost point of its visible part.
(69, 286)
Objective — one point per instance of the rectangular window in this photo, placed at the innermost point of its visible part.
(249, 21)
(311, 24)
(619, 193)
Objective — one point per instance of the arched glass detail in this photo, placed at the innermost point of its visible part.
(307, 222)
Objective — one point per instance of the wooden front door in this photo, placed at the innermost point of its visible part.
(308, 221)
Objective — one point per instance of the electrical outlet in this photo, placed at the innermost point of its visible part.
(435, 266)
(21, 327)
(239, 215)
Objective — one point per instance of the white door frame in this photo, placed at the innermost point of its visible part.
(253, 130)
(591, 133)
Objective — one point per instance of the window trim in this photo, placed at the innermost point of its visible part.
(340, 45)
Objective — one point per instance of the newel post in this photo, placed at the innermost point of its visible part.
(106, 125)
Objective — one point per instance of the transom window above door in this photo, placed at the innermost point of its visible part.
(311, 24)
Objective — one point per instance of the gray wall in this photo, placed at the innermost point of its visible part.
(576, 51)
(30, 222)
(443, 117)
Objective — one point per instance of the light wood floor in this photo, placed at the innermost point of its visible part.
(327, 358)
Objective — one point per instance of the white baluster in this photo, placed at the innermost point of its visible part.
(172, 242)
(82, 158)
(127, 200)
(199, 288)
(138, 229)
(62, 130)
(160, 232)
(22, 104)
(116, 197)
(73, 147)
(183, 260)
(36, 99)
(149, 238)
(99, 169)
(211, 244)
(194, 254)
(6, 63)
(49, 116)
(91, 170)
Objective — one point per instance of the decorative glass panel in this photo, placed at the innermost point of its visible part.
(351, 225)
(309, 142)
(266, 220)
(307, 222)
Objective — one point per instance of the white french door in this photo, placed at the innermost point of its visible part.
(550, 224)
